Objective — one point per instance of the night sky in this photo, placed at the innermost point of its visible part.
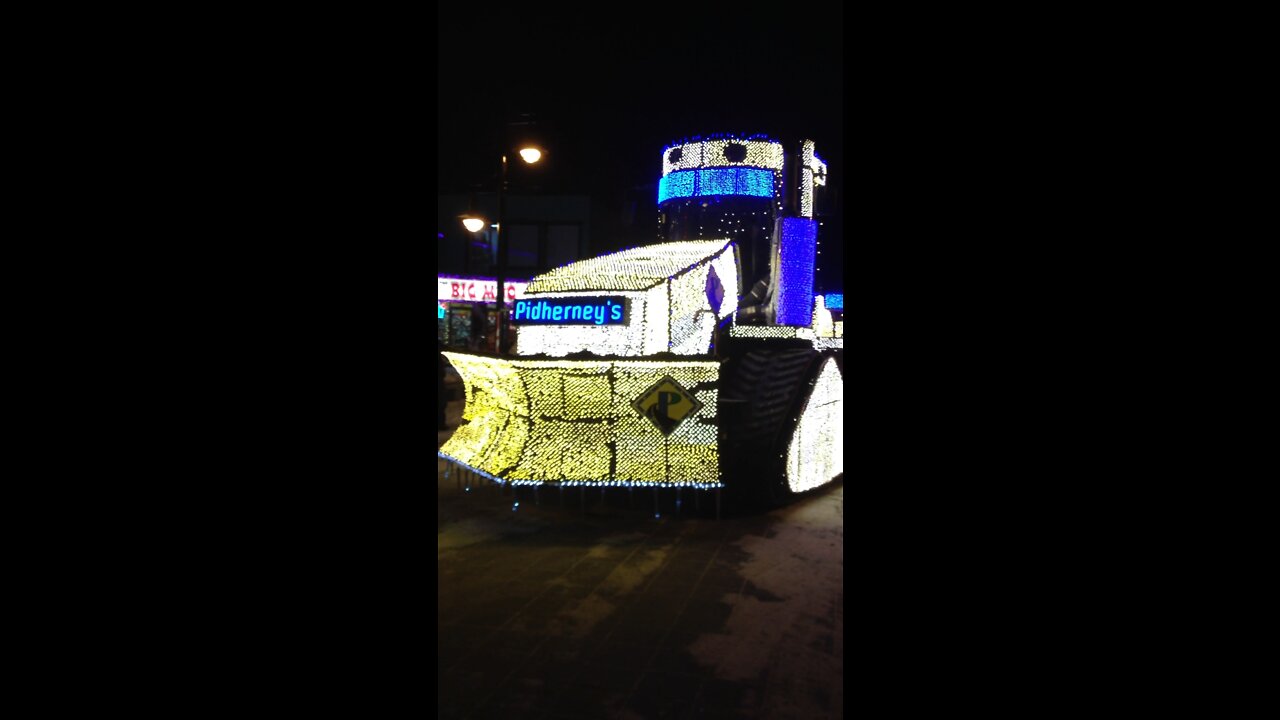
(607, 95)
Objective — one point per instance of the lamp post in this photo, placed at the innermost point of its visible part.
(530, 155)
(500, 325)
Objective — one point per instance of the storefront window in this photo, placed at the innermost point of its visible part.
(469, 321)
(459, 327)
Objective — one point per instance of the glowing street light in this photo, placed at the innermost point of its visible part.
(475, 223)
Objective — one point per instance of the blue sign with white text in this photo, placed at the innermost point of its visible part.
(571, 311)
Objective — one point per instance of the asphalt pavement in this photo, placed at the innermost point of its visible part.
(591, 604)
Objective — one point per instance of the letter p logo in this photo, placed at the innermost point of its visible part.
(666, 404)
(666, 400)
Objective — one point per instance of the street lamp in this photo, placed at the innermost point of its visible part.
(530, 155)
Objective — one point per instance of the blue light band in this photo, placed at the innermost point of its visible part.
(795, 271)
(753, 182)
(834, 301)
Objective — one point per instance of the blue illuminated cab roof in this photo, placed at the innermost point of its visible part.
(752, 182)
(721, 165)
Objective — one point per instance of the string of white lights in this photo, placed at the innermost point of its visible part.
(762, 331)
(815, 454)
(711, 153)
(634, 269)
(674, 315)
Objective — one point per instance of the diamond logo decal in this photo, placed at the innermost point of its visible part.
(666, 404)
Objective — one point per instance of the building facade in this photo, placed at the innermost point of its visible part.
(543, 232)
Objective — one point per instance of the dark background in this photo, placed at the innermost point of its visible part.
(607, 92)
(249, 229)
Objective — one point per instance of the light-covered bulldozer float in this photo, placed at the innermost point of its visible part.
(704, 361)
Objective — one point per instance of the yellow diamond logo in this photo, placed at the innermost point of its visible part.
(666, 403)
